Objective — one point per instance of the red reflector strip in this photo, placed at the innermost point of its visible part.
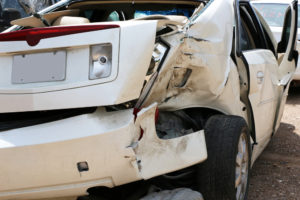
(33, 36)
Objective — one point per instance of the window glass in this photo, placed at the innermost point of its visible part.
(250, 29)
(175, 11)
(285, 33)
(245, 39)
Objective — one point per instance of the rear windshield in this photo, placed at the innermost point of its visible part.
(273, 13)
(121, 12)
(175, 11)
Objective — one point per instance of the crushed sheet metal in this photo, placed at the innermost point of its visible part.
(156, 156)
(203, 48)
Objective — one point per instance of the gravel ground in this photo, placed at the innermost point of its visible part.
(276, 173)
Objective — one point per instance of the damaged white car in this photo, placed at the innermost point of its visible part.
(106, 93)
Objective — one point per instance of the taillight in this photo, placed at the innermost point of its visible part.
(135, 112)
(156, 115)
(33, 36)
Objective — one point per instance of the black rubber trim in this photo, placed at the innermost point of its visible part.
(9, 121)
(253, 131)
(291, 53)
(238, 48)
(160, 40)
(240, 55)
(258, 26)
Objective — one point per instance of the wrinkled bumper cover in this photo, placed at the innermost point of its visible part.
(41, 161)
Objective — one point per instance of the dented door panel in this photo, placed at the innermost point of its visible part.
(264, 90)
(268, 76)
(288, 64)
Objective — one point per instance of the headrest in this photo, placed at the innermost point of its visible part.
(69, 20)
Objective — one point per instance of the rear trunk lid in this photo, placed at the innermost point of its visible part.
(54, 68)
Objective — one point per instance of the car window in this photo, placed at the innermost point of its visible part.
(175, 11)
(249, 29)
(246, 40)
(271, 41)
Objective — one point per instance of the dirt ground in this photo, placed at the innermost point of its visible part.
(276, 173)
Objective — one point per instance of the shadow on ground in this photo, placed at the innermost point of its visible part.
(294, 96)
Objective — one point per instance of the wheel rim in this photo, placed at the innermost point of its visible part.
(241, 169)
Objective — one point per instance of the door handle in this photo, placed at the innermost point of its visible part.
(260, 77)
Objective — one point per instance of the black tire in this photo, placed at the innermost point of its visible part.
(91, 197)
(217, 175)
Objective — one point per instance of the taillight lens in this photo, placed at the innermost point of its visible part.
(33, 36)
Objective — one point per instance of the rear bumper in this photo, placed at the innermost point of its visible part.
(41, 161)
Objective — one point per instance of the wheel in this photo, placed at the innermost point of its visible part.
(225, 173)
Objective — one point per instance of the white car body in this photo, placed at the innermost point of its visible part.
(42, 159)
(278, 30)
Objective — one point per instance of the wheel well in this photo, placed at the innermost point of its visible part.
(201, 115)
(172, 124)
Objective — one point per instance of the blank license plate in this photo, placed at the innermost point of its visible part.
(39, 67)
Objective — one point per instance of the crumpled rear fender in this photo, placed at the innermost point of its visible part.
(108, 142)
(155, 156)
(198, 70)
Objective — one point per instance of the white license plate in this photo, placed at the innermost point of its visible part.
(39, 67)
